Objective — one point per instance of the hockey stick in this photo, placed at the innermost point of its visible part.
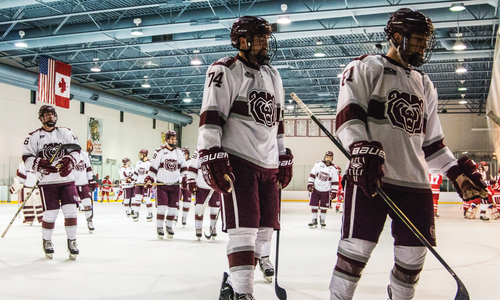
(202, 211)
(494, 117)
(462, 293)
(280, 292)
(75, 147)
(213, 228)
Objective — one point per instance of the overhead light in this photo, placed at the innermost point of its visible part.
(95, 68)
(342, 65)
(290, 106)
(146, 84)
(187, 99)
(319, 52)
(323, 94)
(21, 44)
(462, 88)
(462, 102)
(461, 69)
(284, 19)
(196, 51)
(459, 45)
(136, 32)
(196, 61)
(457, 7)
(339, 75)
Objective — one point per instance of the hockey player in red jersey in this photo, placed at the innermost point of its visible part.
(435, 180)
(23, 184)
(185, 192)
(242, 151)
(168, 166)
(323, 185)
(57, 187)
(387, 117)
(142, 192)
(127, 183)
(106, 187)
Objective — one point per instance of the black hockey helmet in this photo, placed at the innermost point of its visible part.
(144, 151)
(126, 160)
(185, 150)
(248, 27)
(407, 21)
(47, 109)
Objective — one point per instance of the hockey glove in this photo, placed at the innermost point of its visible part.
(365, 166)
(66, 165)
(148, 182)
(310, 187)
(191, 185)
(43, 166)
(214, 165)
(92, 184)
(184, 183)
(16, 187)
(333, 195)
(285, 172)
(129, 180)
(467, 180)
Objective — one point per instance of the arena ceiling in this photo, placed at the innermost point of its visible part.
(99, 33)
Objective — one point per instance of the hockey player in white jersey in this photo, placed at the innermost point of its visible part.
(57, 187)
(127, 183)
(198, 186)
(241, 144)
(23, 184)
(185, 192)
(168, 165)
(85, 185)
(141, 192)
(387, 118)
(323, 184)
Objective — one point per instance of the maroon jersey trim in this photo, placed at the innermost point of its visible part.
(350, 112)
(240, 108)
(226, 63)
(433, 148)
(252, 165)
(211, 117)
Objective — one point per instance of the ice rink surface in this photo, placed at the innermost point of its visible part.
(124, 260)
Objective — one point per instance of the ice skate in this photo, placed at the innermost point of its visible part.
(436, 215)
(323, 224)
(213, 232)
(160, 232)
(170, 232)
(243, 296)
(267, 268)
(313, 224)
(483, 217)
(389, 292)
(175, 221)
(90, 225)
(135, 217)
(48, 248)
(72, 249)
(471, 213)
(183, 222)
(198, 234)
(495, 215)
(149, 218)
(226, 290)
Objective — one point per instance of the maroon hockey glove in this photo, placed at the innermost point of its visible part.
(129, 180)
(285, 172)
(310, 187)
(191, 185)
(493, 182)
(92, 184)
(365, 167)
(148, 182)
(66, 165)
(184, 183)
(467, 180)
(333, 195)
(43, 166)
(214, 165)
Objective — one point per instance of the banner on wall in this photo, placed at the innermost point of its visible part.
(94, 141)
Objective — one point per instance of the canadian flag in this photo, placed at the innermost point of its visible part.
(63, 81)
(54, 82)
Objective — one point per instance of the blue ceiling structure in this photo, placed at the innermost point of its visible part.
(89, 33)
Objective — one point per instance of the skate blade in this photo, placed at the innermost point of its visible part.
(199, 238)
(269, 279)
(312, 227)
(73, 256)
(160, 237)
(170, 236)
(213, 237)
(150, 220)
(136, 220)
(91, 231)
(49, 255)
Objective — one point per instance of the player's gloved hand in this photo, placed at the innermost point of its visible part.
(92, 184)
(184, 183)
(129, 180)
(148, 182)
(16, 187)
(214, 165)
(66, 165)
(310, 187)
(285, 172)
(467, 180)
(365, 166)
(493, 181)
(191, 185)
(333, 195)
(43, 166)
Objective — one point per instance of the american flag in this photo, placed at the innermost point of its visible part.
(46, 80)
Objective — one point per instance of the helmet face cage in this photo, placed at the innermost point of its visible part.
(185, 150)
(143, 152)
(126, 160)
(407, 21)
(47, 109)
(248, 27)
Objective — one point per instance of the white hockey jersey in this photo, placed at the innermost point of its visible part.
(126, 172)
(325, 178)
(242, 112)
(42, 143)
(83, 169)
(194, 172)
(379, 100)
(168, 166)
(25, 176)
(141, 171)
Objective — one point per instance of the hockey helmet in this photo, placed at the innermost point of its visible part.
(329, 153)
(126, 160)
(44, 109)
(144, 151)
(106, 177)
(248, 27)
(169, 134)
(185, 150)
(484, 165)
(407, 21)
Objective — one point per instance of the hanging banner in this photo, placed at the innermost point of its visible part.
(94, 141)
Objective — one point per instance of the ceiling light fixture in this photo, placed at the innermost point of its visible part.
(196, 61)
(95, 67)
(459, 45)
(187, 99)
(137, 31)
(319, 52)
(462, 87)
(146, 84)
(284, 19)
(290, 107)
(457, 7)
(21, 44)
(461, 69)
(462, 102)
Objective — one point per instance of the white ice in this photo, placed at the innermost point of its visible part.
(124, 260)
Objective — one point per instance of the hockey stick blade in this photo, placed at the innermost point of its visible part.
(462, 293)
(494, 117)
(205, 204)
(214, 228)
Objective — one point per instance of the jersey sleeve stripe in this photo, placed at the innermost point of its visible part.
(25, 157)
(350, 112)
(211, 117)
(376, 110)
(281, 128)
(194, 170)
(21, 175)
(240, 108)
(151, 169)
(433, 148)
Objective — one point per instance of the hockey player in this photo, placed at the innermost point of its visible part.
(127, 183)
(168, 166)
(340, 194)
(141, 192)
(435, 180)
(387, 116)
(57, 187)
(241, 143)
(197, 185)
(323, 185)
(85, 185)
(185, 192)
(23, 184)
(106, 188)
